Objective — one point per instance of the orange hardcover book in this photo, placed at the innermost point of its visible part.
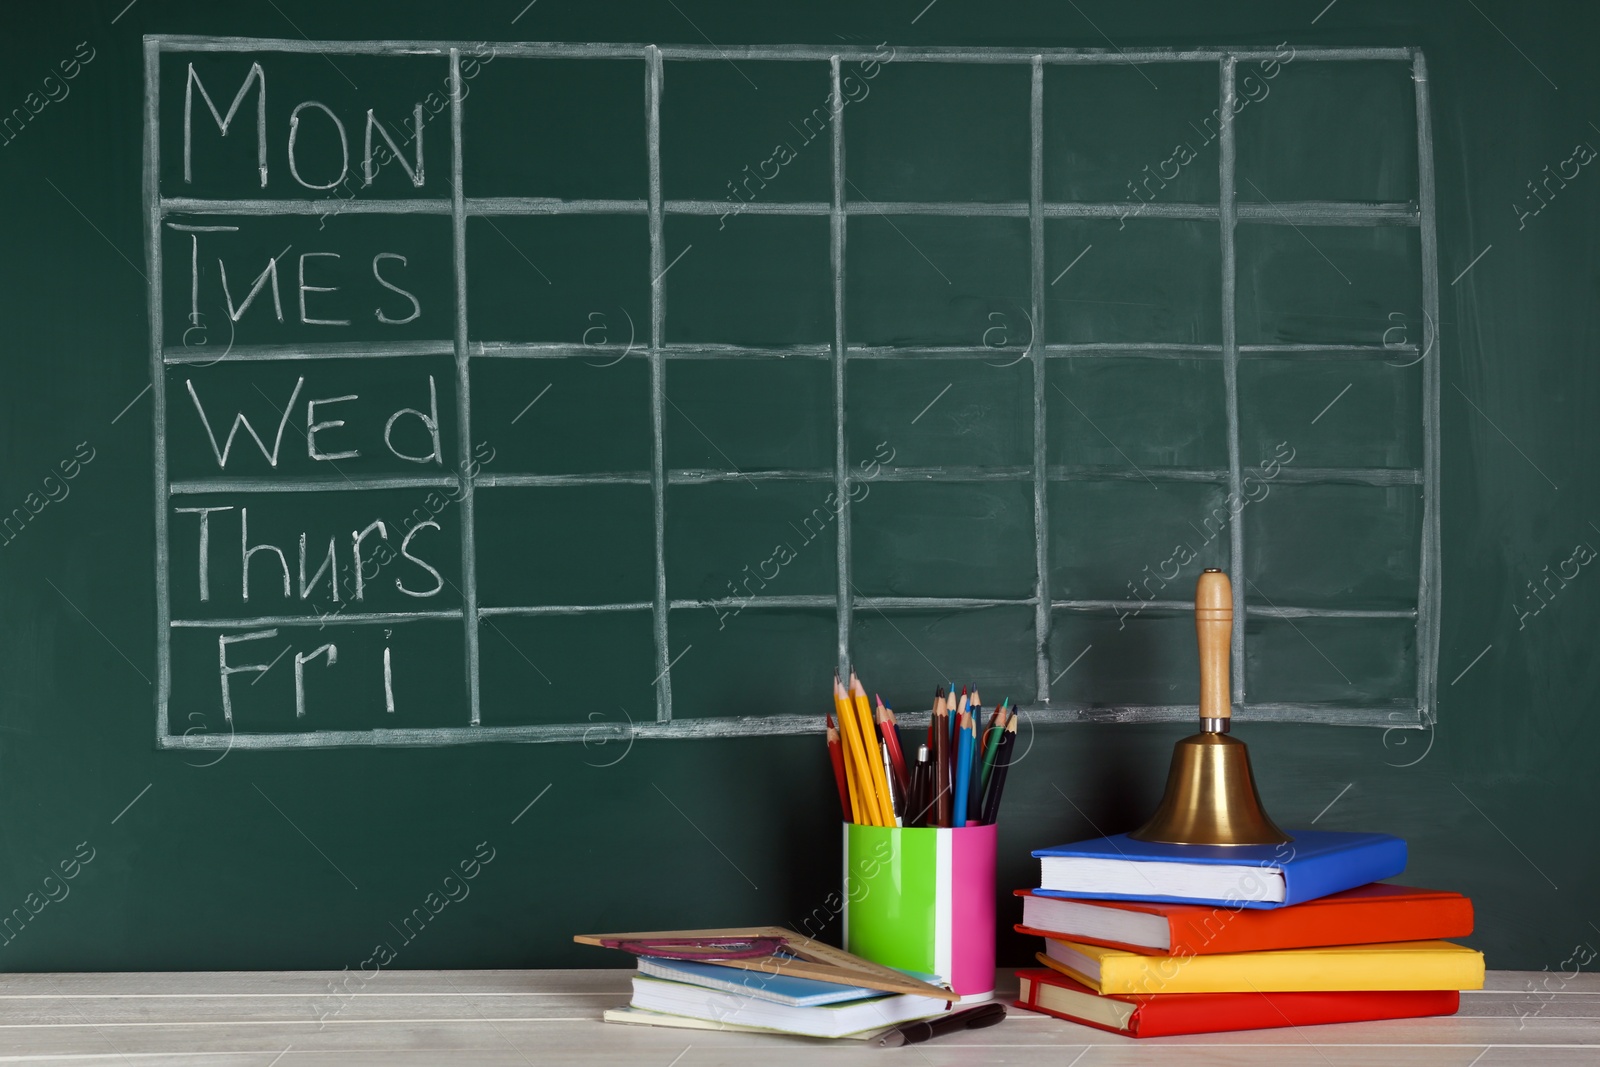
(1371, 914)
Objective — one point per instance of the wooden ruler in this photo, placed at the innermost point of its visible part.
(811, 959)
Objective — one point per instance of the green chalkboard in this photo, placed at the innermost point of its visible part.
(446, 442)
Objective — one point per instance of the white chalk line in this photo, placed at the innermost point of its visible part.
(1074, 263)
(932, 402)
(672, 664)
(1332, 402)
(532, 402)
(546, 789)
(1335, 800)
(1071, 665)
(132, 402)
(1474, 662)
(135, 800)
(1474, 263)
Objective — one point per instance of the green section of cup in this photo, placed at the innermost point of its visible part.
(891, 888)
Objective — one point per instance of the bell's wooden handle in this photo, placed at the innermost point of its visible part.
(1213, 624)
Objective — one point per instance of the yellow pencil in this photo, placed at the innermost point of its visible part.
(876, 792)
(880, 778)
(855, 761)
(866, 811)
(836, 737)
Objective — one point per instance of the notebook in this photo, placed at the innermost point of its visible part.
(1366, 915)
(1145, 1015)
(1315, 864)
(828, 1020)
(776, 988)
(635, 1017)
(1400, 965)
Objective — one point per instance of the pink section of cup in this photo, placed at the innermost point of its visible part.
(972, 879)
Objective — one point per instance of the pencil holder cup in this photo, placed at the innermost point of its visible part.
(922, 899)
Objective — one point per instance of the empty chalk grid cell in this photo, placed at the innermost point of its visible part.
(913, 651)
(282, 126)
(934, 132)
(578, 280)
(536, 545)
(1135, 413)
(553, 128)
(763, 282)
(749, 415)
(1329, 285)
(1141, 657)
(1177, 530)
(1327, 131)
(1368, 664)
(1328, 411)
(321, 420)
(593, 674)
(926, 413)
(749, 659)
(736, 540)
(658, 407)
(744, 134)
(932, 281)
(1133, 136)
(233, 283)
(1333, 546)
(574, 414)
(911, 540)
(1133, 280)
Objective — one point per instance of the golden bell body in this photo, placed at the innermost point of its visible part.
(1211, 796)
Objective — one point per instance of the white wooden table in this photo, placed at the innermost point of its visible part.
(520, 1018)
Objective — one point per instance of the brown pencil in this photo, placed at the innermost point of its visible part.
(941, 764)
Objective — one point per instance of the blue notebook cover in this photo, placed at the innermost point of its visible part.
(1315, 864)
(763, 985)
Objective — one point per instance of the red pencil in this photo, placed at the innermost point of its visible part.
(891, 739)
(836, 754)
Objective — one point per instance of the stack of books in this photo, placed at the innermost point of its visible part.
(1152, 940)
(716, 996)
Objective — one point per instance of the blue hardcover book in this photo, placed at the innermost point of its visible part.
(763, 985)
(1315, 864)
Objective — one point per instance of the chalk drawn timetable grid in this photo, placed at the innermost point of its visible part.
(448, 431)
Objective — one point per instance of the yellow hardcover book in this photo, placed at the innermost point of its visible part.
(1398, 965)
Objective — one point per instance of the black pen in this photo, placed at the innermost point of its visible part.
(971, 1019)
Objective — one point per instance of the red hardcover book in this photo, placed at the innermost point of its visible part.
(1170, 1014)
(1365, 916)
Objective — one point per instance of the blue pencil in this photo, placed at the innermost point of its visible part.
(963, 769)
